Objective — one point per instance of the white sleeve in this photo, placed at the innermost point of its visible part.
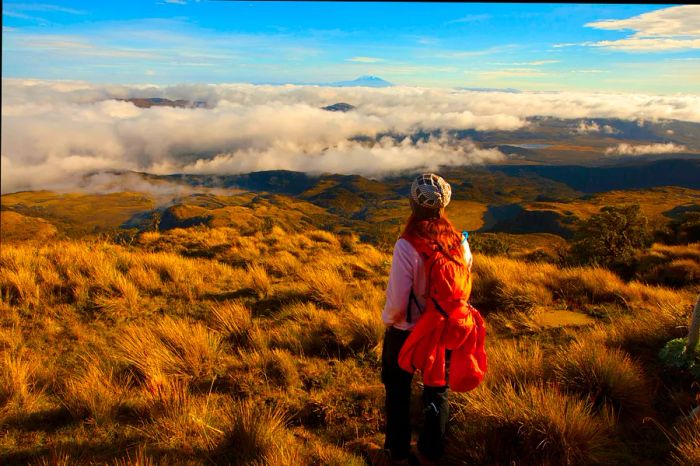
(467, 254)
(400, 282)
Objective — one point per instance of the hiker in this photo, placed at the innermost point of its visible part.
(427, 232)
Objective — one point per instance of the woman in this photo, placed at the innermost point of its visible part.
(405, 300)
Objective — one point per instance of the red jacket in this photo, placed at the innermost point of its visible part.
(463, 332)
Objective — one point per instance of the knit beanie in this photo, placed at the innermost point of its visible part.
(431, 191)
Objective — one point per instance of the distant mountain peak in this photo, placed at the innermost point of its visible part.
(339, 107)
(364, 81)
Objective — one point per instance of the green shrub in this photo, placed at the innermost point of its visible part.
(611, 238)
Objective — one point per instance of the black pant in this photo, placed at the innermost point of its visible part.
(397, 383)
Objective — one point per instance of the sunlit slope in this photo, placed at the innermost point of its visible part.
(506, 199)
(79, 214)
(262, 345)
(18, 227)
(659, 205)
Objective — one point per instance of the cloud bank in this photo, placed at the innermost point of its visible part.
(675, 28)
(54, 131)
(643, 149)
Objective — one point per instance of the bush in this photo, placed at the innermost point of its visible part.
(611, 238)
(686, 228)
(673, 354)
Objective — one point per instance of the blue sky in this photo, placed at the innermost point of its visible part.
(630, 48)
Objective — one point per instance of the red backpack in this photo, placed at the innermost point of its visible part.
(448, 277)
(448, 323)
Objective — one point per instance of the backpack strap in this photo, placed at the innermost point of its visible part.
(439, 308)
(411, 299)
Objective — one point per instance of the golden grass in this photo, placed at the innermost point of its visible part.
(95, 393)
(77, 214)
(170, 348)
(18, 389)
(18, 227)
(259, 280)
(534, 424)
(326, 286)
(686, 443)
(200, 338)
(515, 362)
(609, 378)
(256, 435)
(234, 320)
(503, 284)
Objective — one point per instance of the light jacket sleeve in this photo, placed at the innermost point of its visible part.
(400, 282)
(467, 254)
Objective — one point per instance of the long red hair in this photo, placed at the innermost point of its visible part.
(432, 225)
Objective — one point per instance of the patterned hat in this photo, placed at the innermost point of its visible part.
(431, 191)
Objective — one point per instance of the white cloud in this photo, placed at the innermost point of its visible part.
(585, 127)
(674, 28)
(642, 149)
(648, 44)
(55, 129)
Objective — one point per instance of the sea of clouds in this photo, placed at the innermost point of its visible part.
(55, 131)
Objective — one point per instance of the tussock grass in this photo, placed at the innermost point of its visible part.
(256, 435)
(324, 237)
(283, 263)
(607, 377)
(331, 455)
(515, 362)
(104, 276)
(275, 368)
(501, 284)
(18, 388)
(327, 287)
(686, 443)
(234, 320)
(645, 330)
(676, 266)
(95, 393)
(365, 328)
(594, 285)
(534, 424)
(139, 457)
(318, 332)
(259, 280)
(170, 347)
(508, 285)
(183, 422)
